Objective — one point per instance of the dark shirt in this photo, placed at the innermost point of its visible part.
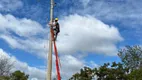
(57, 26)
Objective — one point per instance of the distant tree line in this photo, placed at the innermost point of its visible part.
(130, 67)
(5, 71)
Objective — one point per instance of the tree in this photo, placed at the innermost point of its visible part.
(18, 75)
(129, 69)
(5, 65)
(136, 74)
(131, 57)
(85, 74)
(116, 71)
(5, 70)
(4, 77)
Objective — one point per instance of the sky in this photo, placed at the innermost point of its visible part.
(91, 33)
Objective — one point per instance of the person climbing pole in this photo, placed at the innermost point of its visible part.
(56, 28)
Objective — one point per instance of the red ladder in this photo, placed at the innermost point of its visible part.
(56, 55)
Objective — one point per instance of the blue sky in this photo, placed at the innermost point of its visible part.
(92, 31)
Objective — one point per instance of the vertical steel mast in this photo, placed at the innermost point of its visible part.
(49, 71)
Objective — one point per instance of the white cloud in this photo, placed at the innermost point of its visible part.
(35, 46)
(22, 27)
(70, 65)
(92, 64)
(34, 79)
(8, 5)
(34, 72)
(23, 34)
(112, 9)
(128, 15)
(78, 33)
(87, 34)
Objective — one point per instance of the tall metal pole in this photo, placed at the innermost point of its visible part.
(49, 72)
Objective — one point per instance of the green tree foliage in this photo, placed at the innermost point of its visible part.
(131, 57)
(129, 69)
(116, 71)
(18, 75)
(4, 78)
(5, 70)
(136, 74)
(85, 74)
